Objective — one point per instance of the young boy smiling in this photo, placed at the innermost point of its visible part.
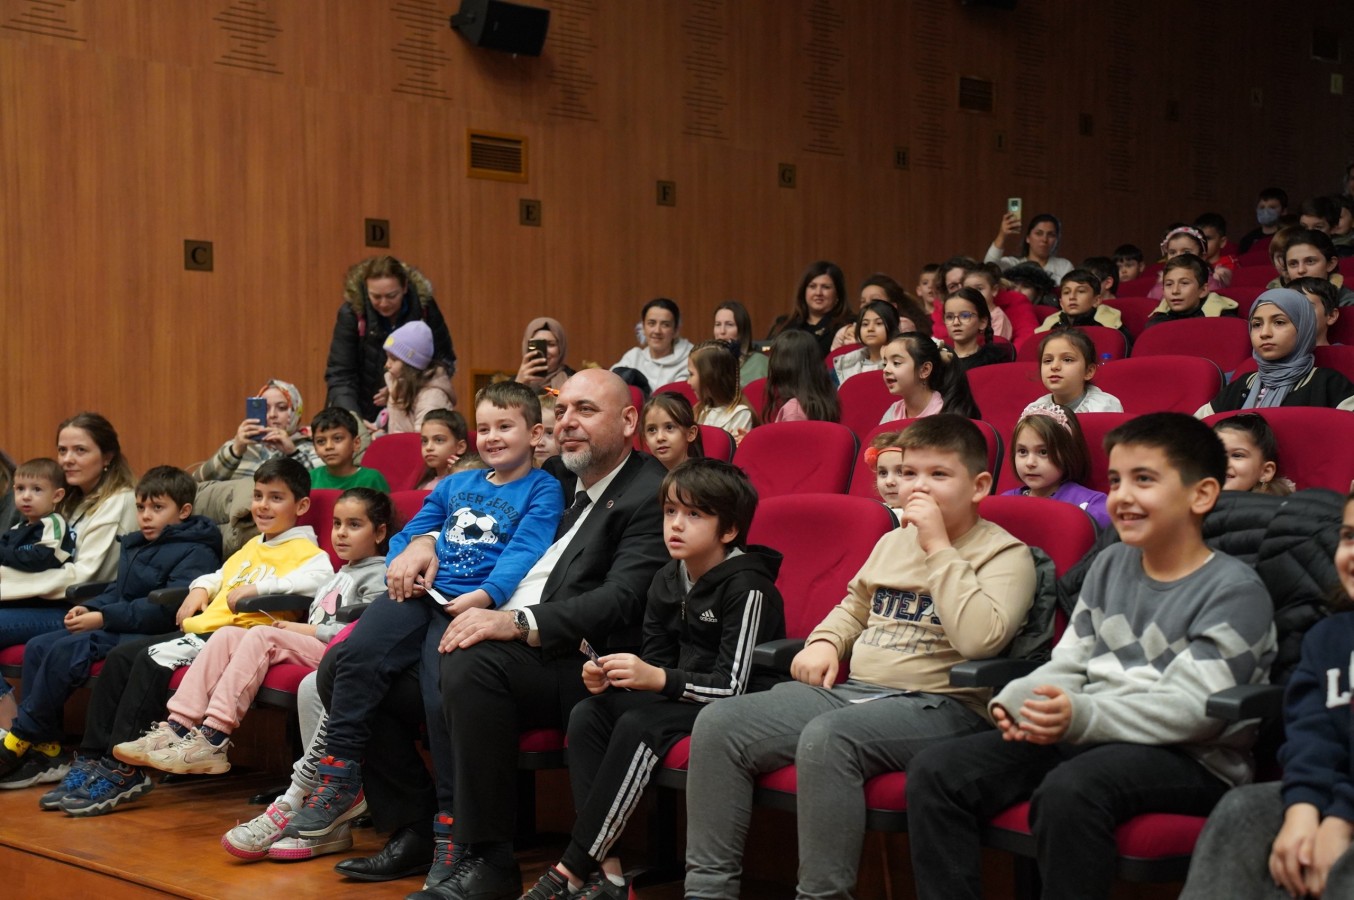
(334, 432)
(945, 587)
(706, 610)
(1114, 724)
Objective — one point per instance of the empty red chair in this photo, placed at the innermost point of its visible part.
(1095, 426)
(1134, 311)
(1223, 339)
(679, 387)
(798, 458)
(1146, 384)
(864, 400)
(1341, 359)
(863, 479)
(1342, 332)
(1110, 343)
(1313, 444)
(399, 457)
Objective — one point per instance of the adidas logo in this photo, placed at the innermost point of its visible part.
(708, 616)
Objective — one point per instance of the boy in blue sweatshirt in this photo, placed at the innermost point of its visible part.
(172, 547)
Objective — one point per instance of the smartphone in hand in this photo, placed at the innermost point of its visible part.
(256, 408)
(1013, 206)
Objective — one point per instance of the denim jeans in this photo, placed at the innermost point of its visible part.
(24, 619)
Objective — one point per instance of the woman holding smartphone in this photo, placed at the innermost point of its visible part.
(1041, 242)
(543, 349)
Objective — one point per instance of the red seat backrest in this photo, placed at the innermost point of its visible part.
(1134, 311)
(1139, 286)
(846, 348)
(1342, 332)
(817, 567)
(1251, 275)
(407, 505)
(1146, 384)
(1110, 343)
(399, 457)
(798, 458)
(1244, 295)
(320, 516)
(1003, 391)
(864, 399)
(1341, 359)
(754, 393)
(1313, 444)
(716, 443)
(863, 479)
(1063, 531)
(1095, 426)
(679, 387)
(1224, 339)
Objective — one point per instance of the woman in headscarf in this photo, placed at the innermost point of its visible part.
(1283, 334)
(541, 371)
(254, 444)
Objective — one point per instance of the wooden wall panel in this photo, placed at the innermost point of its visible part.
(144, 123)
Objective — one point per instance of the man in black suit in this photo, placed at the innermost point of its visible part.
(519, 666)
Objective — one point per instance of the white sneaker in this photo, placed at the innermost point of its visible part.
(289, 849)
(192, 755)
(134, 753)
(251, 840)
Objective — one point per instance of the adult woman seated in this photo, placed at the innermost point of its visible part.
(1283, 333)
(733, 325)
(1041, 242)
(662, 357)
(820, 305)
(538, 371)
(380, 295)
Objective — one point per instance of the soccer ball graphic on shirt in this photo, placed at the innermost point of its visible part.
(468, 533)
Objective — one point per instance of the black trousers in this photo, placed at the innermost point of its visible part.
(616, 740)
(490, 693)
(129, 695)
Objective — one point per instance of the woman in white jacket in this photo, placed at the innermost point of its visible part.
(662, 357)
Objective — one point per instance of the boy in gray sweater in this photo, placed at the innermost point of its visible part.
(1113, 725)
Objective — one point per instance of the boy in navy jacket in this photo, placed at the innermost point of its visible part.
(707, 608)
(172, 548)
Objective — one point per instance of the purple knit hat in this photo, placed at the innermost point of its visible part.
(411, 344)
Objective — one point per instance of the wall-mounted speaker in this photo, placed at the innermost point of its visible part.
(499, 25)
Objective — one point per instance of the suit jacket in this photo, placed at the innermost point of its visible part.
(598, 587)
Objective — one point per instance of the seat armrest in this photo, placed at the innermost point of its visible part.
(1246, 701)
(351, 613)
(87, 591)
(990, 673)
(776, 655)
(168, 596)
(275, 603)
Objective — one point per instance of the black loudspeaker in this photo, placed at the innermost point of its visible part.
(499, 25)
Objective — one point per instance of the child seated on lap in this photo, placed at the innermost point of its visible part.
(42, 540)
(707, 609)
(1113, 725)
(172, 547)
(945, 587)
(335, 433)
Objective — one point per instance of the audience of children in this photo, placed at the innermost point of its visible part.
(1129, 262)
(544, 370)
(1270, 206)
(1312, 254)
(969, 322)
(1252, 455)
(798, 386)
(876, 325)
(885, 457)
(1185, 294)
(1283, 333)
(706, 610)
(668, 426)
(819, 306)
(1114, 724)
(929, 288)
(733, 325)
(1325, 303)
(1186, 239)
(926, 380)
(41, 540)
(982, 278)
(444, 439)
(1218, 255)
(1079, 304)
(170, 548)
(712, 373)
(335, 433)
(1067, 364)
(281, 435)
(1040, 244)
(661, 359)
(416, 382)
(1036, 285)
(1050, 458)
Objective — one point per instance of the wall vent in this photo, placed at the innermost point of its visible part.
(976, 94)
(501, 157)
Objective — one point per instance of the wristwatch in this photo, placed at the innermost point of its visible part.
(519, 619)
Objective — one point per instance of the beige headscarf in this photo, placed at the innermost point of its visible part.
(555, 377)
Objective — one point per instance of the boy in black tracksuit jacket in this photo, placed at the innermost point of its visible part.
(167, 552)
(697, 648)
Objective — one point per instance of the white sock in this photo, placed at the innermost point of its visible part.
(294, 796)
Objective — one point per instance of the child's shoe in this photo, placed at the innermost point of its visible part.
(600, 887)
(79, 774)
(135, 753)
(11, 758)
(106, 790)
(290, 849)
(550, 886)
(445, 852)
(42, 764)
(338, 799)
(251, 840)
(191, 755)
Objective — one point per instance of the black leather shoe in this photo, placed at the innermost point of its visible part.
(406, 853)
(474, 878)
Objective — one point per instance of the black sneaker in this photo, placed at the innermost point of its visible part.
(80, 772)
(551, 886)
(106, 789)
(36, 767)
(475, 878)
(9, 760)
(599, 887)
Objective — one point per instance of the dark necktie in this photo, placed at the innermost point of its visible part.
(570, 517)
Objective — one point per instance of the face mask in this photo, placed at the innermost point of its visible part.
(1266, 215)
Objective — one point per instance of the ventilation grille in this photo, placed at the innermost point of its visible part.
(976, 94)
(502, 157)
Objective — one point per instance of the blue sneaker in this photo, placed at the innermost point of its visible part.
(338, 799)
(106, 789)
(75, 779)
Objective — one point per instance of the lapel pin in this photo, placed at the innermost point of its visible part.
(610, 503)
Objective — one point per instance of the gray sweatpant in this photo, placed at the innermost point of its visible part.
(838, 739)
(1231, 860)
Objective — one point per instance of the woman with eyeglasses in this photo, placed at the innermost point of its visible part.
(380, 295)
(969, 324)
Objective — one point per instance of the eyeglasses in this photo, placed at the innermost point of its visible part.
(951, 318)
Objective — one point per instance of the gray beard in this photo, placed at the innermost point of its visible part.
(579, 461)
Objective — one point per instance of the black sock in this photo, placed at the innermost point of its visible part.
(496, 853)
(179, 729)
(214, 737)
